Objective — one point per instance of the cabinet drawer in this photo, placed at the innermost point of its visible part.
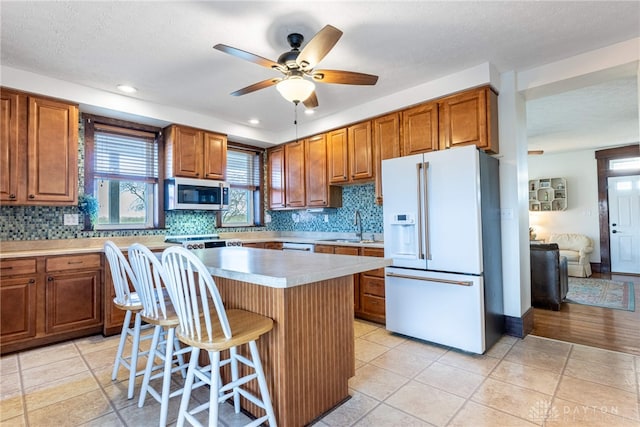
(347, 250)
(18, 266)
(372, 286)
(373, 305)
(73, 262)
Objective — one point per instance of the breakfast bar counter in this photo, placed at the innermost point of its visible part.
(309, 356)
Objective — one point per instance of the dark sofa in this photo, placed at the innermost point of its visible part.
(549, 276)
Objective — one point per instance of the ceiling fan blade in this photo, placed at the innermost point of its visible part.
(256, 86)
(311, 101)
(344, 77)
(247, 56)
(318, 47)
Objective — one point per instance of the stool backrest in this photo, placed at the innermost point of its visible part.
(151, 278)
(191, 287)
(121, 272)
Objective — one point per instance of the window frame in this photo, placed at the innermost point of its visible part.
(90, 121)
(258, 194)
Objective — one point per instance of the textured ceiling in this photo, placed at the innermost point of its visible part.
(165, 50)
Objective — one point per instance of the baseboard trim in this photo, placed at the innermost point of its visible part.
(595, 267)
(519, 326)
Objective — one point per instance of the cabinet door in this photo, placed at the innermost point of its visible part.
(72, 301)
(276, 179)
(469, 118)
(360, 151)
(187, 152)
(52, 152)
(323, 249)
(294, 166)
(351, 250)
(420, 129)
(9, 126)
(273, 245)
(386, 145)
(215, 156)
(317, 190)
(17, 308)
(338, 156)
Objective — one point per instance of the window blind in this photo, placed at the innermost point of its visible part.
(243, 169)
(124, 154)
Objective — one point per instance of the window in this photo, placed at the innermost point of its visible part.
(628, 163)
(122, 172)
(244, 177)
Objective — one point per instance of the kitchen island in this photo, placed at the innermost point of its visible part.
(308, 357)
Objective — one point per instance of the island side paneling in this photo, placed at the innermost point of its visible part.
(309, 355)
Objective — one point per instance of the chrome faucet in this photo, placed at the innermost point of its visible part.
(357, 220)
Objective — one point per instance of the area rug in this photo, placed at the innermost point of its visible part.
(601, 293)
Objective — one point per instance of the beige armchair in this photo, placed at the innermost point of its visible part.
(576, 248)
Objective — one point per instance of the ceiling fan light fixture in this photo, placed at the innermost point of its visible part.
(295, 89)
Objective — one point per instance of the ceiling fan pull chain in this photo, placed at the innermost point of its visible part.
(295, 118)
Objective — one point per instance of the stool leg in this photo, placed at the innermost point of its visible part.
(135, 349)
(233, 351)
(150, 360)
(186, 394)
(123, 340)
(262, 383)
(166, 377)
(214, 387)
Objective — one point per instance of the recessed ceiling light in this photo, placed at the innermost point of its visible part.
(254, 121)
(127, 89)
(309, 111)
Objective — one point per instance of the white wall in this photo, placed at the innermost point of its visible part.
(580, 170)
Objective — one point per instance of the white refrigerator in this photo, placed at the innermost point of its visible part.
(442, 230)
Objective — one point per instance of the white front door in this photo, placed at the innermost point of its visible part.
(624, 223)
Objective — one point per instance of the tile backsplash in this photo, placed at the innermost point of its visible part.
(46, 222)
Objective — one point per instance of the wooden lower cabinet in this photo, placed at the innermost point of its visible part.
(73, 300)
(18, 282)
(372, 296)
(368, 287)
(49, 299)
(273, 245)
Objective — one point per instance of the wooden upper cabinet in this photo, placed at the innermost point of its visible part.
(39, 150)
(276, 178)
(360, 151)
(420, 129)
(215, 155)
(295, 174)
(350, 154)
(470, 118)
(338, 156)
(386, 145)
(319, 192)
(194, 153)
(9, 166)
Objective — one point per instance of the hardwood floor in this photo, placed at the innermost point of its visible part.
(610, 329)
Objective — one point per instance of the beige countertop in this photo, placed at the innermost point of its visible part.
(29, 248)
(279, 269)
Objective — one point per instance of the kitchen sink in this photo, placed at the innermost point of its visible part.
(351, 241)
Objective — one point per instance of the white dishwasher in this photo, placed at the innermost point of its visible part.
(300, 247)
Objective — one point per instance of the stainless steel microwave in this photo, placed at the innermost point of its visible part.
(201, 194)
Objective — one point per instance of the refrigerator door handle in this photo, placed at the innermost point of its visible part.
(425, 207)
(431, 279)
(419, 167)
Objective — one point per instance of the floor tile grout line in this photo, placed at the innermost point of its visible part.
(100, 385)
(23, 395)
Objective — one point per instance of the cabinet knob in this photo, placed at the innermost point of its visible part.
(12, 196)
(31, 196)
(32, 281)
(49, 279)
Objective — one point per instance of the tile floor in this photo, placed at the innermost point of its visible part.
(398, 382)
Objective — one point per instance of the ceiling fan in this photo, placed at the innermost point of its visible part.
(298, 68)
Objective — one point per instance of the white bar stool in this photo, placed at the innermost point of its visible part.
(157, 311)
(206, 325)
(128, 301)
